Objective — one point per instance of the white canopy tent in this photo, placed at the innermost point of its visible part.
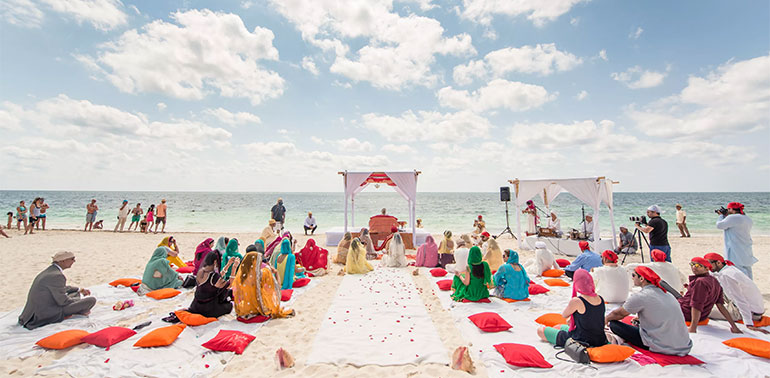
(405, 183)
(593, 191)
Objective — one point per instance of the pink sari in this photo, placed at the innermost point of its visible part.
(427, 254)
(201, 251)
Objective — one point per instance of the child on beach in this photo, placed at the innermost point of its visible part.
(41, 219)
(10, 219)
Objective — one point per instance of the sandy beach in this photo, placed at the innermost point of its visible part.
(103, 256)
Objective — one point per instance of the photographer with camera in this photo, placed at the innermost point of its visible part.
(737, 228)
(658, 230)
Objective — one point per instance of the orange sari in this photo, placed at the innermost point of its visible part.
(256, 291)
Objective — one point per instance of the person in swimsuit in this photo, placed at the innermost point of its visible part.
(136, 217)
(21, 216)
(161, 212)
(34, 213)
(150, 218)
(41, 219)
(91, 210)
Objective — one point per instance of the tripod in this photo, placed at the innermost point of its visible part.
(638, 235)
(507, 224)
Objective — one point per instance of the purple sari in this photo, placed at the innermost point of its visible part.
(201, 251)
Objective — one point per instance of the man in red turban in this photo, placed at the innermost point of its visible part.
(739, 288)
(702, 294)
(738, 243)
(610, 279)
(586, 260)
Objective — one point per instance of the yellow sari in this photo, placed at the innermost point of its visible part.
(356, 260)
(494, 256)
(176, 260)
(256, 291)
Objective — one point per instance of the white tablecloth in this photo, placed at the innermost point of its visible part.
(566, 246)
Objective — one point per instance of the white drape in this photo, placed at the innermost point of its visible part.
(352, 182)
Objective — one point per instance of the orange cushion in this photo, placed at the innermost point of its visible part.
(553, 273)
(555, 282)
(63, 339)
(610, 353)
(764, 322)
(125, 282)
(162, 336)
(551, 319)
(191, 319)
(509, 300)
(700, 323)
(163, 293)
(757, 347)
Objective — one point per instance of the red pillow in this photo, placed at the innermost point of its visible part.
(522, 355)
(229, 341)
(438, 272)
(562, 262)
(185, 269)
(108, 336)
(535, 289)
(255, 319)
(444, 285)
(301, 282)
(666, 359)
(286, 294)
(482, 300)
(489, 322)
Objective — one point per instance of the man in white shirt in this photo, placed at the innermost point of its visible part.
(681, 222)
(310, 223)
(737, 227)
(666, 270)
(610, 279)
(554, 224)
(122, 216)
(588, 226)
(739, 288)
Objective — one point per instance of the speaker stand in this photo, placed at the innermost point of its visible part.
(507, 229)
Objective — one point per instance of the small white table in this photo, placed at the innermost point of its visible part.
(335, 234)
(566, 246)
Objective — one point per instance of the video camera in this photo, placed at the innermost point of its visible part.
(638, 220)
(721, 211)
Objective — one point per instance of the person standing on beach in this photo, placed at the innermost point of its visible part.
(681, 221)
(10, 220)
(41, 219)
(123, 212)
(658, 230)
(278, 212)
(21, 216)
(161, 217)
(737, 228)
(91, 210)
(34, 213)
(149, 219)
(136, 217)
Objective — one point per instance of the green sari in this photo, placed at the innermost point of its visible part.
(477, 287)
(169, 278)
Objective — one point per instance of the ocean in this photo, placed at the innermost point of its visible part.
(249, 212)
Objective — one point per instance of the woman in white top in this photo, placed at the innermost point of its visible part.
(461, 258)
(396, 255)
(544, 260)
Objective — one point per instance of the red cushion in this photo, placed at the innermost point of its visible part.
(186, 269)
(135, 288)
(489, 322)
(537, 289)
(301, 282)
(229, 341)
(522, 355)
(286, 294)
(666, 359)
(628, 319)
(444, 285)
(438, 272)
(256, 319)
(483, 300)
(562, 262)
(108, 336)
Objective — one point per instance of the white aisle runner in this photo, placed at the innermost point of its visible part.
(378, 319)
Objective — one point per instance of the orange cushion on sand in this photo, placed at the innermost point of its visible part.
(555, 282)
(444, 285)
(764, 322)
(551, 319)
(509, 300)
(191, 319)
(610, 353)
(553, 273)
(125, 282)
(700, 323)
(562, 262)
(63, 339)
(757, 347)
(162, 336)
(163, 293)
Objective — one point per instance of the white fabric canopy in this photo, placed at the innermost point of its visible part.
(593, 191)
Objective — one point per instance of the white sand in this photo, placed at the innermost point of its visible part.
(103, 256)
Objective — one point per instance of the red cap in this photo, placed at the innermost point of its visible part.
(702, 261)
(658, 255)
(485, 234)
(717, 257)
(610, 255)
(649, 275)
(735, 206)
(479, 216)
(583, 245)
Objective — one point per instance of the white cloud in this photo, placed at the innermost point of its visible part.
(428, 126)
(399, 149)
(102, 14)
(582, 95)
(230, 118)
(542, 59)
(537, 11)
(9, 119)
(637, 78)
(308, 64)
(497, 94)
(636, 34)
(21, 13)
(734, 97)
(317, 140)
(204, 50)
(248, 4)
(574, 21)
(287, 153)
(464, 74)
(353, 145)
(425, 5)
(603, 55)
(161, 106)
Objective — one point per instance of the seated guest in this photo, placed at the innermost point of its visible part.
(427, 253)
(201, 251)
(342, 248)
(665, 270)
(230, 252)
(467, 240)
(476, 279)
(273, 250)
(587, 260)
(50, 300)
(479, 226)
(212, 292)
(461, 262)
(310, 224)
(544, 260)
(588, 226)
(286, 265)
(493, 255)
(511, 280)
(395, 257)
(739, 288)
(702, 294)
(611, 280)
(446, 250)
(586, 316)
(268, 233)
(173, 251)
(626, 242)
(661, 323)
(221, 244)
(313, 258)
(554, 224)
(368, 244)
(419, 223)
(356, 260)
(158, 273)
(386, 243)
(483, 241)
(256, 290)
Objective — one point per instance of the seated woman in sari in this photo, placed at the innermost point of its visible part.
(446, 250)
(395, 257)
(313, 258)
(368, 244)
(201, 251)
(173, 251)
(221, 244)
(286, 265)
(158, 273)
(342, 249)
(230, 252)
(511, 280)
(494, 256)
(476, 279)
(356, 260)
(273, 249)
(256, 290)
(212, 292)
(427, 253)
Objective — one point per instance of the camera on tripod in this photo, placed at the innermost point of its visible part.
(721, 211)
(638, 220)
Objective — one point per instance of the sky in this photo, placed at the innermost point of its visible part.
(280, 95)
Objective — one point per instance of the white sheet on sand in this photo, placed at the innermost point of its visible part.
(720, 359)
(184, 358)
(378, 319)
